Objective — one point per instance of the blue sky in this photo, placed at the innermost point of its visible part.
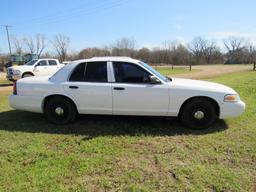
(150, 22)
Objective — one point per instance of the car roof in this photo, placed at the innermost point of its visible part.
(117, 59)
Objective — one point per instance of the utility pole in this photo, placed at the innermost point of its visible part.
(8, 37)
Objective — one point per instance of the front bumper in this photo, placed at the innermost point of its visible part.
(228, 110)
(13, 77)
(26, 103)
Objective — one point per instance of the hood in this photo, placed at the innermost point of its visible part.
(201, 85)
(22, 67)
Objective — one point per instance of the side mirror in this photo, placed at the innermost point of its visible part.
(35, 66)
(154, 80)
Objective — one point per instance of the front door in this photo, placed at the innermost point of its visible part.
(133, 94)
(89, 87)
(41, 68)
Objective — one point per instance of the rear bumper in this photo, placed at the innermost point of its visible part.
(231, 109)
(26, 103)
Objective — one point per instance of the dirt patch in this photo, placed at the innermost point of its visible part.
(207, 71)
(5, 89)
(2, 75)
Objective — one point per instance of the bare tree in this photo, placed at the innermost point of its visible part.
(17, 45)
(234, 44)
(93, 52)
(29, 42)
(198, 47)
(40, 44)
(144, 54)
(61, 44)
(124, 47)
(35, 45)
(235, 47)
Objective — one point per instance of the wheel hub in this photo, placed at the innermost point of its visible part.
(59, 111)
(199, 115)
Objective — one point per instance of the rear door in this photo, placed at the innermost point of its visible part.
(89, 86)
(53, 67)
(133, 94)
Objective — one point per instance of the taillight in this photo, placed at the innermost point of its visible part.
(15, 88)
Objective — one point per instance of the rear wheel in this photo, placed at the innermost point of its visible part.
(198, 113)
(60, 110)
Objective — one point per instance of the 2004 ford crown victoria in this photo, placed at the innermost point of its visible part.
(124, 86)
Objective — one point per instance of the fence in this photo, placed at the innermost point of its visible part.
(189, 66)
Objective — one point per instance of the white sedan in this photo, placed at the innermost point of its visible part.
(124, 86)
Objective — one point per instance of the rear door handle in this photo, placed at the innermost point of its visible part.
(73, 87)
(119, 88)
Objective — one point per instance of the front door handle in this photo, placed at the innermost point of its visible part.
(119, 88)
(73, 87)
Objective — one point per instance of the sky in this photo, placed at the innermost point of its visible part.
(98, 23)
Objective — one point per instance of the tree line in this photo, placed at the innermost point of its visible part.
(199, 51)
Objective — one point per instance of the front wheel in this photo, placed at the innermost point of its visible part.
(60, 110)
(27, 75)
(198, 113)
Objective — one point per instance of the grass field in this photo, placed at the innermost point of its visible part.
(99, 153)
(178, 70)
(4, 81)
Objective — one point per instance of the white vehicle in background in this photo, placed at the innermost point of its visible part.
(36, 67)
(124, 86)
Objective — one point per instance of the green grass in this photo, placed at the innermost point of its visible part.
(4, 81)
(175, 70)
(99, 153)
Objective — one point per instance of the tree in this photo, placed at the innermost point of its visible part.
(35, 45)
(93, 52)
(235, 49)
(198, 47)
(144, 54)
(124, 47)
(181, 55)
(205, 51)
(61, 44)
(17, 45)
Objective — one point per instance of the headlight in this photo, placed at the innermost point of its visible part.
(231, 98)
(15, 72)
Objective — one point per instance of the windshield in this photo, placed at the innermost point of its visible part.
(159, 75)
(32, 62)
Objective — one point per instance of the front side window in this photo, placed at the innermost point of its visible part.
(42, 63)
(130, 73)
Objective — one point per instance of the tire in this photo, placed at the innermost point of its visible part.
(60, 111)
(27, 75)
(199, 113)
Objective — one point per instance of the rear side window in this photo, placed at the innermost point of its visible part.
(130, 73)
(96, 72)
(78, 73)
(52, 62)
(90, 72)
